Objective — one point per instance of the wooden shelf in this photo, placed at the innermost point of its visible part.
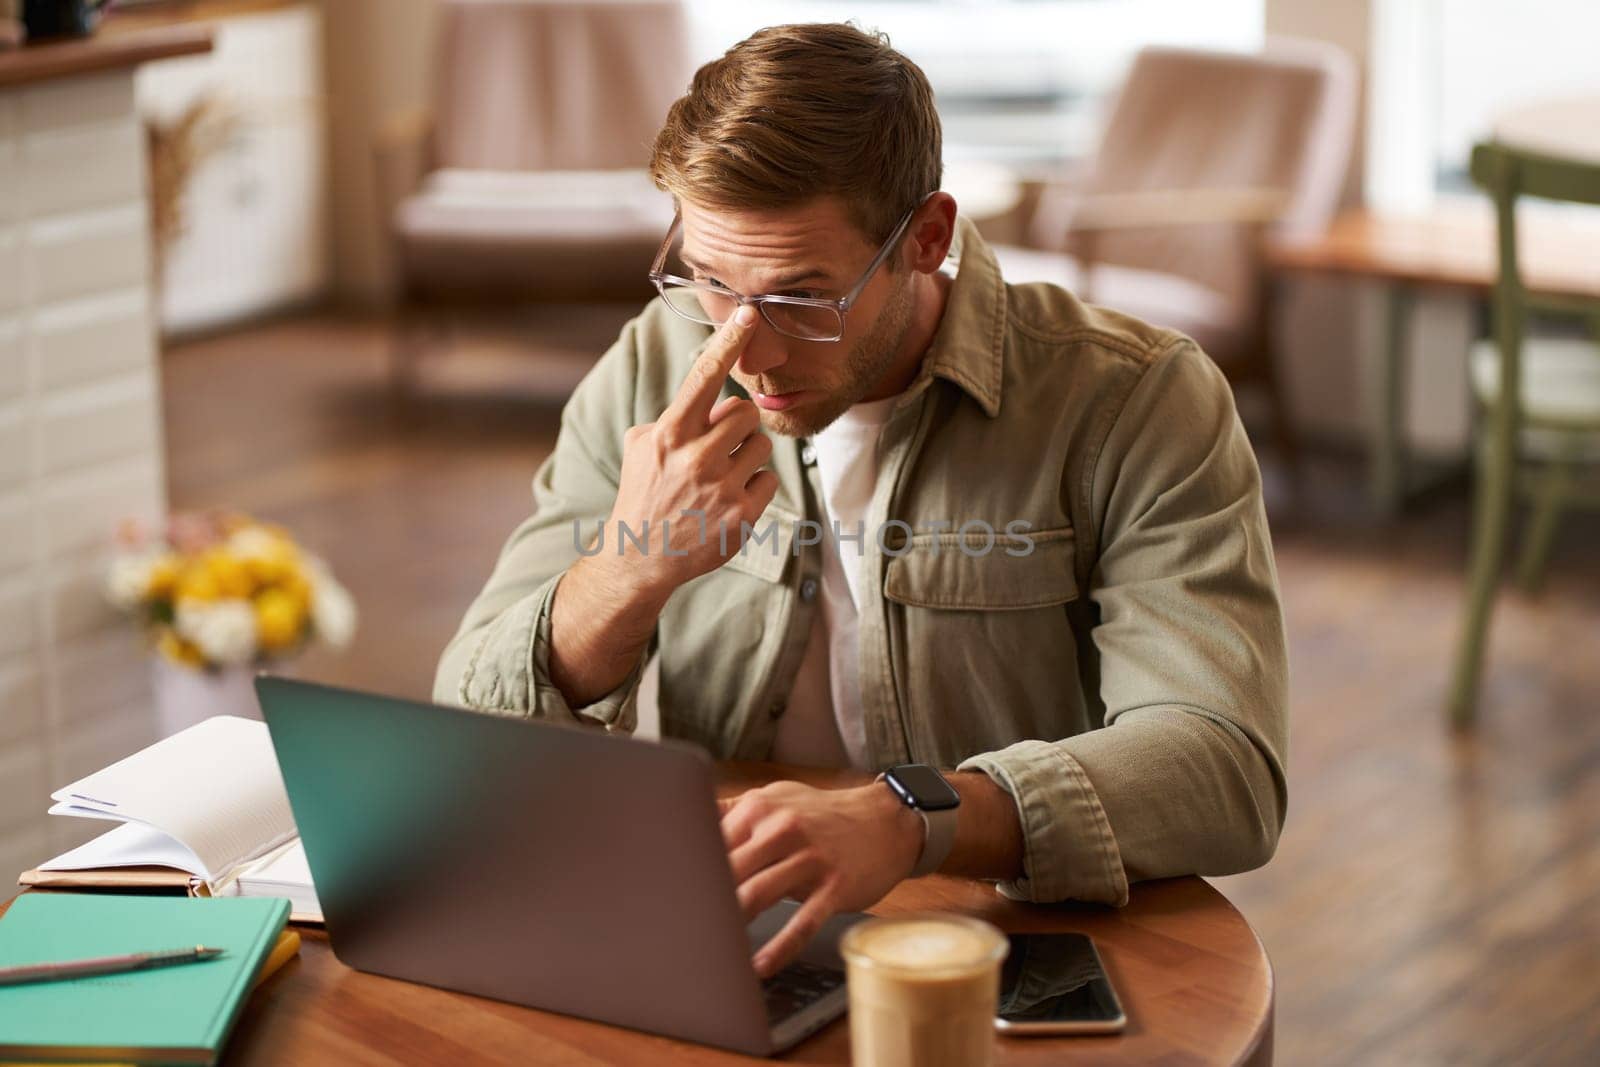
(68, 57)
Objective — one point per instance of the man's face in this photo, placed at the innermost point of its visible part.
(816, 251)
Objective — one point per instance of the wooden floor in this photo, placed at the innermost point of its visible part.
(1435, 898)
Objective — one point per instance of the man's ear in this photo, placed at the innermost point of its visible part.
(932, 230)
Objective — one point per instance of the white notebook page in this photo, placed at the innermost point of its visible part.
(129, 845)
(215, 788)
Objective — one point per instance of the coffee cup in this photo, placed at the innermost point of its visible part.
(923, 990)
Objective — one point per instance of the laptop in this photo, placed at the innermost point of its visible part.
(555, 866)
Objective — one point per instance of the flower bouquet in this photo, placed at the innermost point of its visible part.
(220, 594)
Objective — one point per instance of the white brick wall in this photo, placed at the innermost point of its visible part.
(80, 443)
(10, 245)
(82, 340)
(11, 368)
(15, 446)
(19, 607)
(16, 535)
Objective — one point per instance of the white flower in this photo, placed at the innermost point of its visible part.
(253, 543)
(223, 630)
(333, 610)
(128, 578)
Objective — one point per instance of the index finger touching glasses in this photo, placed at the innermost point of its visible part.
(703, 384)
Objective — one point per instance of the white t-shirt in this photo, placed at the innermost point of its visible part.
(823, 725)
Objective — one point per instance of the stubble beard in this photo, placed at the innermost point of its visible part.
(869, 360)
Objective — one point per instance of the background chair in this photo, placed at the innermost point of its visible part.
(1542, 392)
(1202, 151)
(526, 181)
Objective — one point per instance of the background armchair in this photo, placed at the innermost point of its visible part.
(526, 182)
(1201, 153)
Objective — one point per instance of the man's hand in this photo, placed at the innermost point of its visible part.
(694, 475)
(835, 849)
(699, 456)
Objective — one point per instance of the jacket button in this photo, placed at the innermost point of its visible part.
(808, 589)
(777, 709)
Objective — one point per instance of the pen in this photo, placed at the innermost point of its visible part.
(136, 961)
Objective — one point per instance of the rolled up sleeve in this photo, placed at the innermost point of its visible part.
(1070, 852)
(1187, 774)
(499, 658)
(504, 667)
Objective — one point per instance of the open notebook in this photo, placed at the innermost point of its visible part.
(204, 808)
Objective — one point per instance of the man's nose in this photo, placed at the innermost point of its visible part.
(764, 351)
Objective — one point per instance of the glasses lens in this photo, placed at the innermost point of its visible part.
(700, 304)
(804, 321)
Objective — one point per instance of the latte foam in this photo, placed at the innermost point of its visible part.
(925, 944)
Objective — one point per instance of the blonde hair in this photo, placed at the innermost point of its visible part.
(792, 113)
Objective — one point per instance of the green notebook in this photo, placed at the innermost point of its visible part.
(175, 1014)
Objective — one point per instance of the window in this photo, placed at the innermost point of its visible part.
(1443, 70)
(1019, 82)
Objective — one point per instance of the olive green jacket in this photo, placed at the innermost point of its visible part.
(1117, 662)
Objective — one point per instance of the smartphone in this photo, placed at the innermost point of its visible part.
(1056, 984)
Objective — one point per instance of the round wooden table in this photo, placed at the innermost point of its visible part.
(1194, 981)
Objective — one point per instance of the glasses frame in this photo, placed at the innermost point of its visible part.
(839, 307)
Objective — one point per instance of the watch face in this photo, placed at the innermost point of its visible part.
(923, 787)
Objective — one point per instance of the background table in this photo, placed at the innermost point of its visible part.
(1194, 980)
(1449, 249)
(1454, 248)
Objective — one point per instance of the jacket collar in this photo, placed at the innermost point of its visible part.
(968, 348)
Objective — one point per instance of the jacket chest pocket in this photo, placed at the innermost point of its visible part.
(956, 572)
(766, 555)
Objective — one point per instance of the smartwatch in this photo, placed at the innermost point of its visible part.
(924, 790)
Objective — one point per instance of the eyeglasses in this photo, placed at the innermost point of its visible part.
(803, 318)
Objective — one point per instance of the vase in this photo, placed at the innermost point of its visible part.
(187, 695)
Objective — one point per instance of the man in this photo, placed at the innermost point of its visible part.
(868, 513)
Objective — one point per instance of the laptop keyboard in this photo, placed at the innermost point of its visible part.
(798, 986)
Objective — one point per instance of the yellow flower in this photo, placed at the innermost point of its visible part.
(269, 556)
(163, 578)
(178, 650)
(296, 585)
(197, 583)
(230, 575)
(280, 619)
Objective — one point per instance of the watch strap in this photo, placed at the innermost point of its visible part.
(938, 837)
